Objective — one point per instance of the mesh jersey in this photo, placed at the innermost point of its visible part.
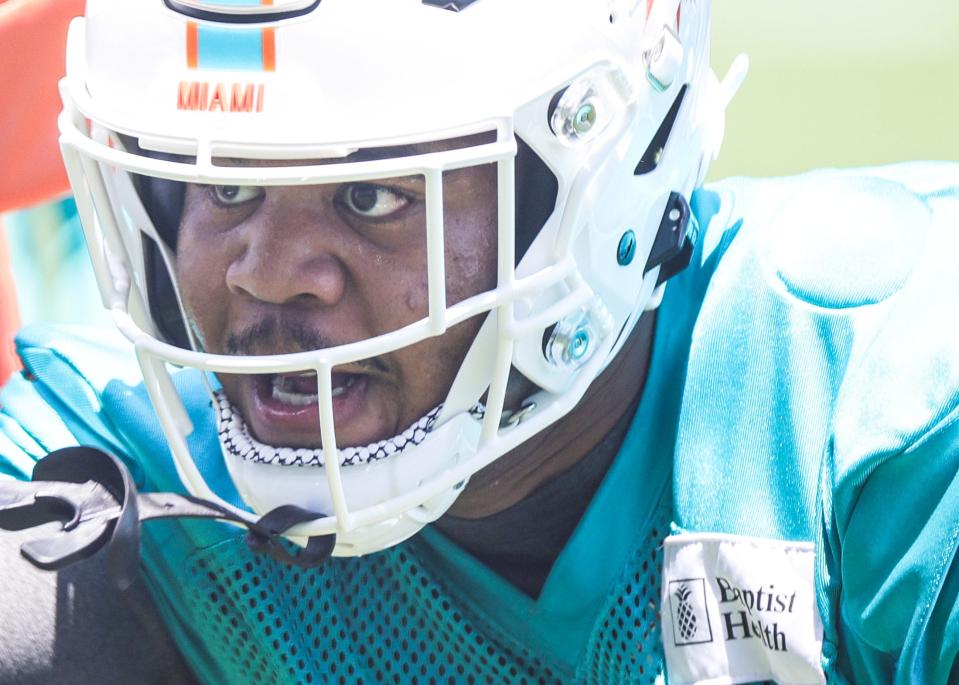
(390, 618)
(791, 395)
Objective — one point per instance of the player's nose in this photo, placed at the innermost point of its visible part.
(292, 250)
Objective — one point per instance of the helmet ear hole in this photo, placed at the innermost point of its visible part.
(164, 308)
(162, 198)
(536, 191)
(163, 201)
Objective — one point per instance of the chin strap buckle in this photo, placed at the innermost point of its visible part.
(93, 497)
(673, 246)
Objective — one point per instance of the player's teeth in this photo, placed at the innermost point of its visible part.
(281, 393)
(293, 398)
(340, 389)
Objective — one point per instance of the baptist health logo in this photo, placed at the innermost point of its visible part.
(740, 610)
(687, 603)
(748, 617)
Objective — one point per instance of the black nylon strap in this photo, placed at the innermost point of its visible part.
(264, 537)
(96, 501)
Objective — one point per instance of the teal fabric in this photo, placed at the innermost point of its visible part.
(828, 343)
(804, 385)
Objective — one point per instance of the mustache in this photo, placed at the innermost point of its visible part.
(274, 335)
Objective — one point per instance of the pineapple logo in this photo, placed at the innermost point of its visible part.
(687, 619)
(687, 600)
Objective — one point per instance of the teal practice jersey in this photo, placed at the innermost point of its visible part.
(799, 429)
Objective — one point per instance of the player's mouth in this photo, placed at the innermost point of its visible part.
(285, 407)
(301, 389)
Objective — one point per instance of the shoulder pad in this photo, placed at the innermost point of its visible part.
(840, 240)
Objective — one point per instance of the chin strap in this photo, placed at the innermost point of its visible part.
(92, 495)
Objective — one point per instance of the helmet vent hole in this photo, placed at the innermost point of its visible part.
(654, 153)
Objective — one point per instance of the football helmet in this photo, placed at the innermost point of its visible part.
(595, 120)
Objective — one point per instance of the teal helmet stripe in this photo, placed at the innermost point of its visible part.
(221, 47)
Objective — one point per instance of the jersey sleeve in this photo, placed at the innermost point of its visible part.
(29, 428)
(56, 401)
(889, 563)
(888, 569)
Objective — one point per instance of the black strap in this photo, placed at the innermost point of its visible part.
(93, 496)
(264, 537)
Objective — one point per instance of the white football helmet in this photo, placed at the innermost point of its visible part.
(599, 118)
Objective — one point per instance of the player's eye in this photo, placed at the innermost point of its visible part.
(369, 201)
(236, 195)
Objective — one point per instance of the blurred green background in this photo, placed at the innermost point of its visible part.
(842, 83)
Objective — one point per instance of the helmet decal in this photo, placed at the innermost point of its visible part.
(231, 48)
(202, 96)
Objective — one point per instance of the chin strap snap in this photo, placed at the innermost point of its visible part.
(675, 239)
(92, 495)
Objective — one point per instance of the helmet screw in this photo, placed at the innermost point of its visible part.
(627, 248)
(584, 118)
(579, 344)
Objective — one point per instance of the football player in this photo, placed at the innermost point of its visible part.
(425, 301)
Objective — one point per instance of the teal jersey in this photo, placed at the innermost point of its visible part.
(803, 387)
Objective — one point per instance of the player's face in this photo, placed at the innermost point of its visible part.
(270, 269)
